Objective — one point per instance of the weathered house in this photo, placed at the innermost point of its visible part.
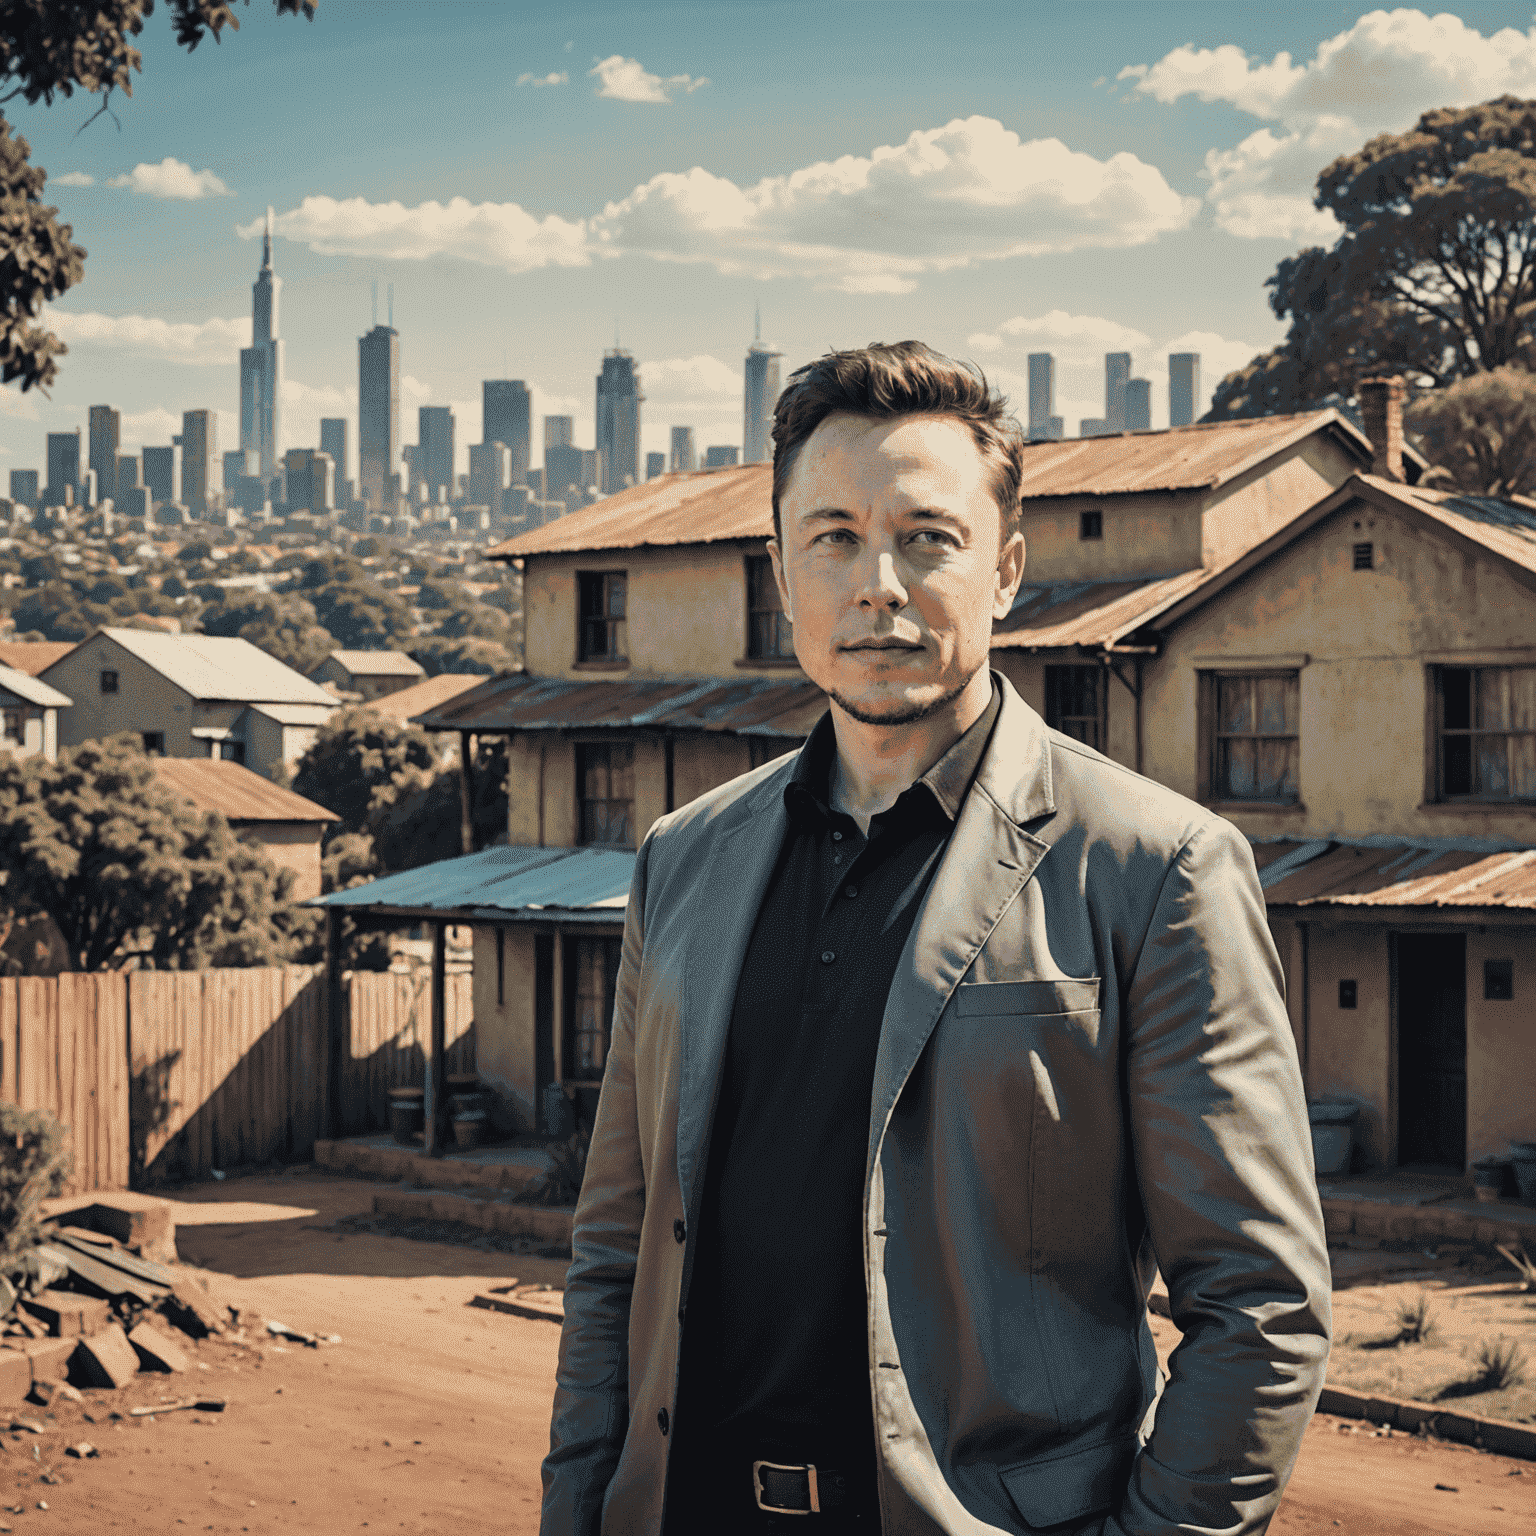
(29, 714)
(369, 674)
(189, 696)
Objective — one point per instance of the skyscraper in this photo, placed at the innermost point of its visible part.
(564, 477)
(432, 464)
(489, 474)
(559, 431)
(1044, 423)
(24, 487)
(311, 480)
(760, 393)
(63, 488)
(378, 412)
(261, 367)
(618, 421)
(505, 413)
(1183, 388)
(655, 464)
(720, 456)
(103, 429)
(198, 444)
(160, 473)
(333, 441)
(684, 458)
(1117, 369)
(1138, 405)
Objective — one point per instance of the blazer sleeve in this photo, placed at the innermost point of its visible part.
(591, 1407)
(1223, 1156)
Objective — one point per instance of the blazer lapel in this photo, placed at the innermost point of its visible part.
(727, 898)
(990, 857)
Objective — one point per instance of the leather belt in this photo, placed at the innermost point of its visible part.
(802, 1489)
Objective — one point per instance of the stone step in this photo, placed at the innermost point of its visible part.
(550, 1224)
(1467, 1221)
(401, 1165)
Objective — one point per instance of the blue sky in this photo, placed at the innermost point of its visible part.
(995, 179)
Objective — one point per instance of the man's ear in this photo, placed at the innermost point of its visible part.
(1010, 573)
(776, 554)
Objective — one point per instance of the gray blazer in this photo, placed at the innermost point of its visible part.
(1085, 1071)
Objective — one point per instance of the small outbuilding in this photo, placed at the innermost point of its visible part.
(369, 674)
(29, 715)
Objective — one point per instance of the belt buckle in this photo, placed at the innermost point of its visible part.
(778, 1466)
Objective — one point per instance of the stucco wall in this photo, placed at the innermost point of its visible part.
(1501, 1043)
(291, 845)
(1152, 534)
(504, 1031)
(145, 700)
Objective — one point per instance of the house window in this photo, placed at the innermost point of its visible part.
(1256, 743)
(1487, 733)
(770, 635)
(602, 597)
(589, 1014)
(154, 743)
(108, 681)
(13, 726)
(1498, 981)
(605, 775)
(1090, 525)
(232, 751)
(1349, 994)
(1072, 703)
(1365, 557)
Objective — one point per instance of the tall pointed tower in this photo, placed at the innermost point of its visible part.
(261, 367)
(760, 393)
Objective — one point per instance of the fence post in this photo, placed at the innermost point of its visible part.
(437, 1080)
(335, 1024)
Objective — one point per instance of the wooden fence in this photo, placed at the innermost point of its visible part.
(165, 1075)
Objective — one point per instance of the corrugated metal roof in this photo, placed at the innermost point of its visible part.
(1390, 872)
(572, 884)
(701, 508)
(33, 656)
(25, 686)
(379, 663)
(429, 694)
(299, 714)
(216, 667)
(1051, 615)
(755, 706)
(235, 792)
(1506, 527)
(1175, 459)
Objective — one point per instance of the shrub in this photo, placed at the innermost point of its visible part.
(35, 1164)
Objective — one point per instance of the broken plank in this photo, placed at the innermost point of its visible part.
(102, 1278)
(131, 1264)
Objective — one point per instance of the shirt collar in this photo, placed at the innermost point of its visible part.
(948, 781)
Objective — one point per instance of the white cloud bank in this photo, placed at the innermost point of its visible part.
(554, 77)
(947, 198)
(624, 79)
(72, 179)
(1376, 77)
(208, 343)
(172, 179)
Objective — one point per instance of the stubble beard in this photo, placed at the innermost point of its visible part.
(899, 714)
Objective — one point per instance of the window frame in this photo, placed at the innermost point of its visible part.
(102, 683)
(1440, 731)
(583, 801)
(13, 726)
(1213, 791)
(755, 566)
(1053, 681)
(154, 743)
(616, 628)
(611, 947)
(1090, 525)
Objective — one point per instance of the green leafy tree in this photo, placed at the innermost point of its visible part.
(59, 613)
(352, 606)
(54, 48)
(439, 654)
(360, 764)
(35, 1164)
(1480, 432)
(282, 624)
(128, 870)
(1433, 275)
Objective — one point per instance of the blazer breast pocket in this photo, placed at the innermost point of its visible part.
(991, 999)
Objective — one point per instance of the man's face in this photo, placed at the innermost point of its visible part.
(890, 562)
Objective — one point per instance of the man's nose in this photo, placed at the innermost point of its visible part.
(882, 586)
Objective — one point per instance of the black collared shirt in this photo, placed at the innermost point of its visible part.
(775, 1352)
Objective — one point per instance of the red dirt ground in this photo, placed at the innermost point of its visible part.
(432, 1416)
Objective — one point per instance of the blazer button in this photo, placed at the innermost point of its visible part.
(662, 1420)
(679, 1231)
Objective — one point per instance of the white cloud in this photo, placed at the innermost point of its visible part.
(214, 342)
(1376, 76)
(173, 179)
(699, 392)
(72, 179)
(947, 198)
(1063, 335)
(554, 77)
(628, 80)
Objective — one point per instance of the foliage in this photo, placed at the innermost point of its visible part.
(59, 613)
(561, 1183)
(1500, 1363)
(1414, 1323)
(360, 764)
(282, 624)
(35, 1164)
(1433, 275)
(348, 603)
(427, 824)
(128, 870)
(439, 654)
(1480, 433)
(49, 48)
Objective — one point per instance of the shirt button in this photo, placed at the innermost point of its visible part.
(662, 1421)
(679, 1231)
(827, 957)
(837, 837)
(851, 892)
(837, 858)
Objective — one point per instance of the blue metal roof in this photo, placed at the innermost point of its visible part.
(589, 885)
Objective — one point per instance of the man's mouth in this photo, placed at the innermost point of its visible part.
(883, 645)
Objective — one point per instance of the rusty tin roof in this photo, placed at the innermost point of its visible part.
(1391, 872)
(233, 790)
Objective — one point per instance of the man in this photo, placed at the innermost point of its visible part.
(931, 1042)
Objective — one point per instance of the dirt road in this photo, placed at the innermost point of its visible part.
(431, 1416)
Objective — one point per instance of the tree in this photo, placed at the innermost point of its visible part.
(128, 870)
(282, 624)
(351, 605)
(53, 48)
(1433, 275)
(1480, 433)
(439, 654)
(360, 764)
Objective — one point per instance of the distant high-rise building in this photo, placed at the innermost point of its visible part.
(564, 474)
(1138, 405)
(239, 464)
(160, 473)
(63, 488)
(261, 366)
(378, 415)
(759, 395)
(720, 456)
(1093, 426)
(559, 431)
(1117, 369)
(198, 444)
(103, 430)
(311, 480)
(1183, 388)
(505, 414)
(1042, 397)
(490, 473)
(655, 464)
(24, 487)
(684, 458)
(333, 440)
(618, 420)
(432, 463)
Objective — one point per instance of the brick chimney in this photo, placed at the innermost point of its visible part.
(1381, 408)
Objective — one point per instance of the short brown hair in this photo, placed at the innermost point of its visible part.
(904, 378)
